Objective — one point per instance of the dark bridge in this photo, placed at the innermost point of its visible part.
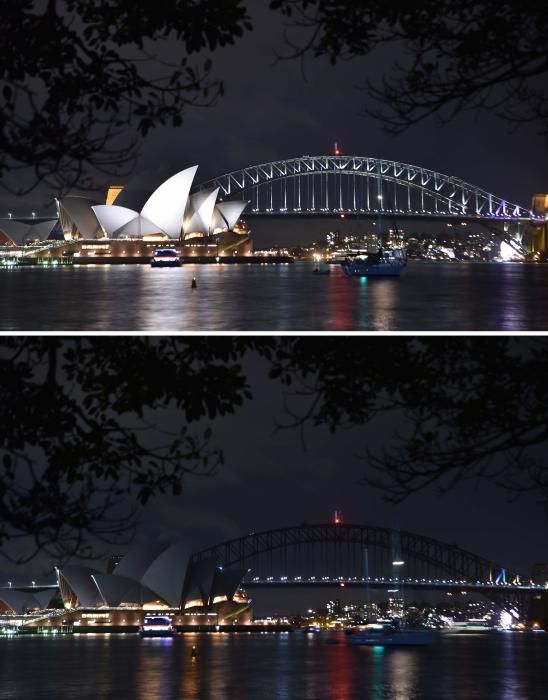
(329, 555)
(353, 551)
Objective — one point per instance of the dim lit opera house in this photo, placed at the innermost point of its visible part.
(132, 223)
(152, 577)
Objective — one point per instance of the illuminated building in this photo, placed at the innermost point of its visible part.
(153, 576)
(170, 213)
(196, 223)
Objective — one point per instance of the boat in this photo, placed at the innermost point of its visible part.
(166, 257)
(386, 636)
(156, 626)
(385, 263)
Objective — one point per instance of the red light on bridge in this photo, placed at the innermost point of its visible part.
(336, 150)
(337, 517)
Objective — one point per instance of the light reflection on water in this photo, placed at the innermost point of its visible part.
(271, 666)
(436, 296)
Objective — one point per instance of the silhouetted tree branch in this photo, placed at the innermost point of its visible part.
(92, 428)
(450, 56)
(460, 408)
(83, 80)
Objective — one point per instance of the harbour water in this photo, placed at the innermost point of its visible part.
(290, 666)
(428, 297)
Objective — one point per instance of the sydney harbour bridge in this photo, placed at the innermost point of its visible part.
(364, 558)
(370, 557)
(356, 186)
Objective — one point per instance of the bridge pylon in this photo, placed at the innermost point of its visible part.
(538, 609)
(539, 230)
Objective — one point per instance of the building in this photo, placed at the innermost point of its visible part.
(153, 576)
(198, 224)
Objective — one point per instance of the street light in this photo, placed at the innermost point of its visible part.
(9, 584)
(398, 563)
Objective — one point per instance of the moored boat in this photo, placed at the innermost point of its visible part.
(156, 626)
(383, 636)
(385, 263)
(166, 257)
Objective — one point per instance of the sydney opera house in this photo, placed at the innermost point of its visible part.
(131, 223)
(152, 577)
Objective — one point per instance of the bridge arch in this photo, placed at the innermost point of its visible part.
(361, 185)
(255, 551)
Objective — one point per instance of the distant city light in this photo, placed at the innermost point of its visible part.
(505, 620)
(507, 252)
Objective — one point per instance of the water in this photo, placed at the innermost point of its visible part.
(290, 666)
(428, 297)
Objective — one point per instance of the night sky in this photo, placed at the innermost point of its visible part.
(270, 112)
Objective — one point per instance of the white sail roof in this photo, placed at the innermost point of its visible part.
(80, 212)
(18, 601)
(198, 218)
(167, 573)
(80, 580)
(136, 228)
(14, 230)
(135, 563)
(227, 214)
(166, 205)
(116, 590)
(112, 588)
(20, 231)
(199, 580)
(113, 217)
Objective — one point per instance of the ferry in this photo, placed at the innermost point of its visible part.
(166, 257)
(385, 263)
(156, 626)
(377, 635)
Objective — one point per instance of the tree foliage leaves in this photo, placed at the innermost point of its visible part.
(81, 78)
(449, 57)
(92, 428)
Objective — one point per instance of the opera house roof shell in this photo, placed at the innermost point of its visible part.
(14, 232)
(152, 573)
(170, 212)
